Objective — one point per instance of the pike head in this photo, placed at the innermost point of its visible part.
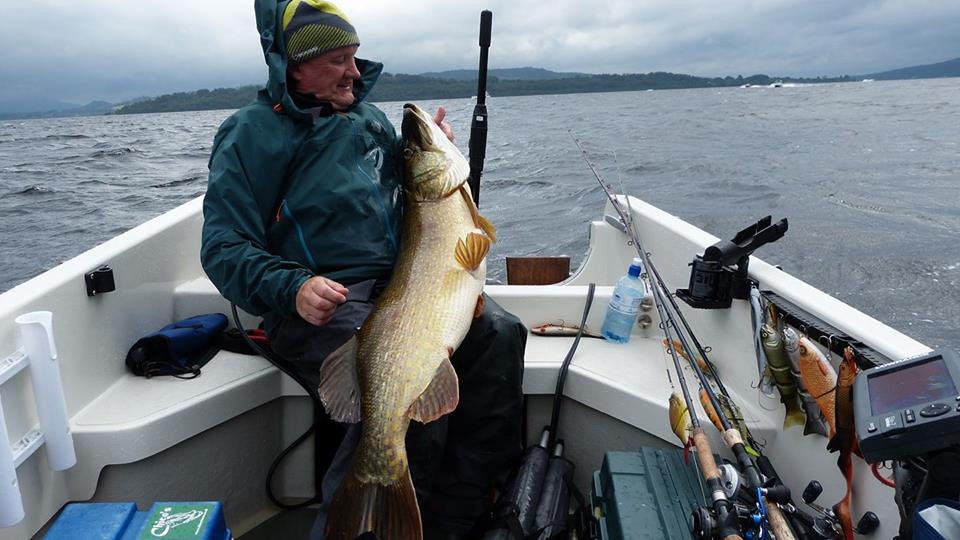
(433, 165)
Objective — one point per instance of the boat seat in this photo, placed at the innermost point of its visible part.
(137, 417)
(140, 417)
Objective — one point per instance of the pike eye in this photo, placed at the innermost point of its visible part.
(408, 152)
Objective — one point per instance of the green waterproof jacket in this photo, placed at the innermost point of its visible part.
(295, 193)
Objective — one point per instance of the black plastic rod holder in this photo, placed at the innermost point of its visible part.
(100, 281)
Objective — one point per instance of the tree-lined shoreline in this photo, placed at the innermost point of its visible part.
(502, 83)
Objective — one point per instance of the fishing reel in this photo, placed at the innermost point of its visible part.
(714, 282)
(748, 509)
(749, 519)
(826, 525)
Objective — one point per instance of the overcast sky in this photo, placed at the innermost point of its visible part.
(82, 50)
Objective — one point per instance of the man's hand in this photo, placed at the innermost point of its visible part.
(445, 127)
(318, 298)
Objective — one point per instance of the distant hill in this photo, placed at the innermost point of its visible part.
(28, 105)
(50, 109)
(514, 74)
(950, 68)
(199, 100)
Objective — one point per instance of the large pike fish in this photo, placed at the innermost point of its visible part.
(402, 370)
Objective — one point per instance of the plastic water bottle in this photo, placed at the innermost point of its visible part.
(624, 305)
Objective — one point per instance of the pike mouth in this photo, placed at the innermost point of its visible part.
(414, 127)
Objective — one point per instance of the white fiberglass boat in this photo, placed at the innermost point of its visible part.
(213, 437)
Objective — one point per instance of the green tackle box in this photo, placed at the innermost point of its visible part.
(646, 494)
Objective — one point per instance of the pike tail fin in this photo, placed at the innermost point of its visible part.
(388, 511)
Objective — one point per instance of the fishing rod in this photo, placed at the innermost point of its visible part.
(730, 435)
(478, 128)
(727, 518)
(800, 521)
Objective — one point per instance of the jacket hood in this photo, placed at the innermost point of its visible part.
(269, 24)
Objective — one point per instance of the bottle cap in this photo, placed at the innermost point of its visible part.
(636, 267)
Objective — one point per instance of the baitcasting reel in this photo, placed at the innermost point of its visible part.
(747, 508)
(826, 526)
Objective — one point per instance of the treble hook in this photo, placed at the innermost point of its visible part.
(829, 343)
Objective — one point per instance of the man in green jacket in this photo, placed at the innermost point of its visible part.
(301, 226)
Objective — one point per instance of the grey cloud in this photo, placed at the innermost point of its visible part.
(114, 49)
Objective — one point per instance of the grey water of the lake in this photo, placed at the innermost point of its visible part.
(868, 175)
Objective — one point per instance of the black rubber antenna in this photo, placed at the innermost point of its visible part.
(478, 128)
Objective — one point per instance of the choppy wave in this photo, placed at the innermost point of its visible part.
(180, 182)
(33, 190)
(113, 152)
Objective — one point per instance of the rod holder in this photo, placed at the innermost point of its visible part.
(11, 504)
(100, 281)
(39, 355)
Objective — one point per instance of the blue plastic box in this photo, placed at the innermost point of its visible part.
(122, 521)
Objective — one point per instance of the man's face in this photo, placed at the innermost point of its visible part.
(328, 77)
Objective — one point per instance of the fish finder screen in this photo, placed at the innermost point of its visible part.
(911, 386)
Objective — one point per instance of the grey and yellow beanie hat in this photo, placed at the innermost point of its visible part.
(313, 27)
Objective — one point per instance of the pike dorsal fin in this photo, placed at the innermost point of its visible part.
(470, 253)
(478, 220)
(440, 397)
(339, 386)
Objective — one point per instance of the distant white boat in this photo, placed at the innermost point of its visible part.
(867, 80)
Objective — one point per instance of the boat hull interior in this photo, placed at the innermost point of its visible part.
(213, 437)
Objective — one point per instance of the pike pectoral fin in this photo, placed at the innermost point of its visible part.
(470, 253)
(440, 397)
(339, 386)
(478, 220)
(477, 311)
(487, 227)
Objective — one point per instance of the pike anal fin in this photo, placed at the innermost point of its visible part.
(471, 251)
(477, 311)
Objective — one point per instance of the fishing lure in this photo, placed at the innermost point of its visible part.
(779, 366)
(820, 379)
(680, 422)
(765, 382)
(816, 423)
(562, 330)
(845, 438)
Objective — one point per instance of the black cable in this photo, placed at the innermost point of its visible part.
(562, 377)
(277, 361)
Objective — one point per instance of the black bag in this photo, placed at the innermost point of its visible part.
(179, 349)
